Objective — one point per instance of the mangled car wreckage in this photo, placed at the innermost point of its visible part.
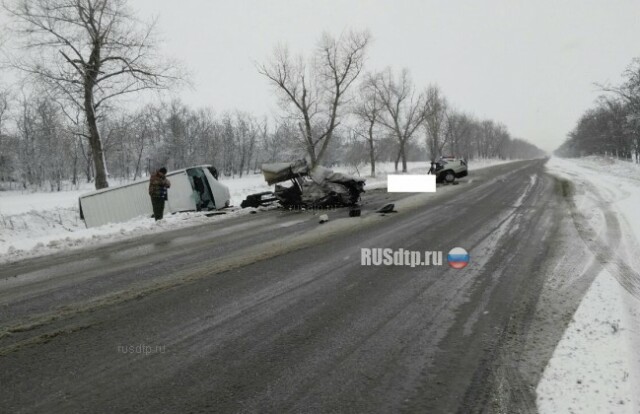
(318, 187)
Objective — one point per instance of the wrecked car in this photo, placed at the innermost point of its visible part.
(319, 187)
(447, 169)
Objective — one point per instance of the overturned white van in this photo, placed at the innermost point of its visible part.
(192, 189)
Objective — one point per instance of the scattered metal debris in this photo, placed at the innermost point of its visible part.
(258, 199)
(387, 208)
(319, 187)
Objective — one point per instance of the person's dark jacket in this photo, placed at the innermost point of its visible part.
(158, 185)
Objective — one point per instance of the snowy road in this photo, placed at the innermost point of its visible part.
(274, 313)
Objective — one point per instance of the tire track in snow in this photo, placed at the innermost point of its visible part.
(604, 249)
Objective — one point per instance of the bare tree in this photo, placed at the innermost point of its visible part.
(262, 138)
(403, 109)
(246, 133)
(40, 133)
(282, 144)
(141, 137)
(316, 91)
(4, 106)
(367, 110)
(458, 133)
(90, 51)
(629, 92)
(435, 122)
(6, 152)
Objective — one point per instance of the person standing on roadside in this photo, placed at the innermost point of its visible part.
(158, 185)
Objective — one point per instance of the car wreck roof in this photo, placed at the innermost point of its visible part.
(283, 171)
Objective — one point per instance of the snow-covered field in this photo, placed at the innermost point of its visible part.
(596, 366)
(35, 224)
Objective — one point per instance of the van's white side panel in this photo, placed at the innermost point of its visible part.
(120, 204)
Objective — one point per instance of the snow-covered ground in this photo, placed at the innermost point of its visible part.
(35, 224)
(595, 367)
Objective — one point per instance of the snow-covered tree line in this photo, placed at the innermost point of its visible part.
(41, 147)
(65, 121)
(328, 94)
(612, 126)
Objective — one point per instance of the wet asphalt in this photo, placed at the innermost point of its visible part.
(274, 312)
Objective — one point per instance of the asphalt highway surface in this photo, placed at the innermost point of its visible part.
(273, 312)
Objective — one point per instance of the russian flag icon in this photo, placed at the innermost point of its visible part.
(458, 258)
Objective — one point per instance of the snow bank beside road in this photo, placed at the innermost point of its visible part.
(38, 233)
(596, 365)
(18, 202)
(35, 224)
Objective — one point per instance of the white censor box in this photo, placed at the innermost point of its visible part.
(411, 183)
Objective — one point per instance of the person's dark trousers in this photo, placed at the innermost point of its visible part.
(158, 207)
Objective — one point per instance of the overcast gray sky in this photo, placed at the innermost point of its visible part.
(531, 65)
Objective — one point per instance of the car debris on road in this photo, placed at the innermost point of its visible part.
(387, 208)
(317, 187)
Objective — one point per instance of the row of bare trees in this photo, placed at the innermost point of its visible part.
(612, 127)
(41, 147)
(38, 147)
(80, 57)
(390, 106)
(320, 95)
